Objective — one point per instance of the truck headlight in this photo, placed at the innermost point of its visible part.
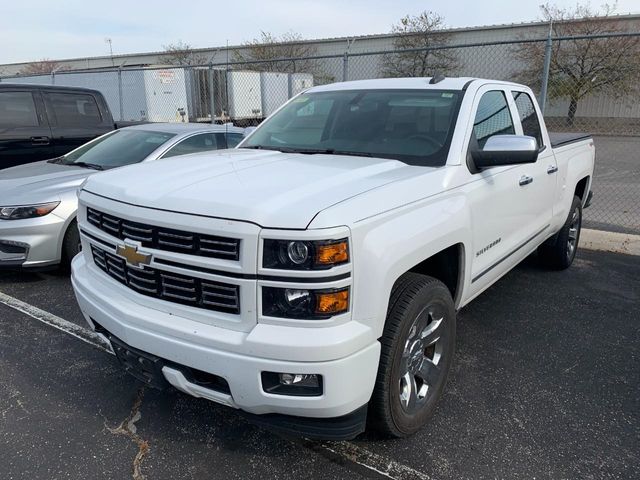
(27, 211)
(305, 255)
(304, 304)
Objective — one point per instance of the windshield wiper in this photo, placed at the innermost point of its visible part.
(327, 151)
(262, 147)
(312, 151)
(93, 166)
(56, 160)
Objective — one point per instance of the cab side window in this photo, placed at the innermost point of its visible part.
(234, 139)
(492, 117)
(195, 144)
(528, 116)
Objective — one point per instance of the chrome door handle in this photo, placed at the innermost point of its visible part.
(525, 180)
(552, 169)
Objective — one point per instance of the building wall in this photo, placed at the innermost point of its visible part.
(330, 46)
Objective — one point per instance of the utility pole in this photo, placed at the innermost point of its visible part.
(547, 64)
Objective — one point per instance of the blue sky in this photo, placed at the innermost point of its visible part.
(32, 30)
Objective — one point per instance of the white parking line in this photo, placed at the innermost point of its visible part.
(351, 452)
(54, 321)
(383, 466)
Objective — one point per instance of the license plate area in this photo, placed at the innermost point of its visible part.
(142, 365)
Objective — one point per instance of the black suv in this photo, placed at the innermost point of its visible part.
(38, 122)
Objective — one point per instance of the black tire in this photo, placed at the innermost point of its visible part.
(559, 251)
(416, 301)
(70, 245)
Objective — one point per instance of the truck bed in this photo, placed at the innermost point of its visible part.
(561, 139)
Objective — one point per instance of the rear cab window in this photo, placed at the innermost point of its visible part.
(74, 109)
(528, 117)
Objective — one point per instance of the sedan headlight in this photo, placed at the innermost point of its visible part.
(27, 211)
(305, 255)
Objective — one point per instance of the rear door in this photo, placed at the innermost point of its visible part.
(25, 135)
(75, 119)
(540, 193)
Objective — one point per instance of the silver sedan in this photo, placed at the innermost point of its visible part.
(38, 201)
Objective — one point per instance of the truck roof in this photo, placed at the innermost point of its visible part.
(447, 83)
(35, 86)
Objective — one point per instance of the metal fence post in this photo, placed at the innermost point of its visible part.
(53, 77)
(545, 73)
(120, 99)
(345, 67)
(212, 102)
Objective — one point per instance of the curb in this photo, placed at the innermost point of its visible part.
(610, 241)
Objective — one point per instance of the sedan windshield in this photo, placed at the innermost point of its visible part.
(117, 149)
(413, 126)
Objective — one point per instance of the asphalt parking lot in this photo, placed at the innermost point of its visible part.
(545, 385)
(616, 201)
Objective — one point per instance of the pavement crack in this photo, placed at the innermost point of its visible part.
(128, 429)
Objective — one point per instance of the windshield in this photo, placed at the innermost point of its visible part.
(413, 126)
(117, 149)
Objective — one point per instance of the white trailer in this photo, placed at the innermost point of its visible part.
(132, 95)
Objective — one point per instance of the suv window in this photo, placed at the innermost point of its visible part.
(195, 144)
(528, 116)
(17, 109)
(234, 139)
(75, 109)
(492, 118)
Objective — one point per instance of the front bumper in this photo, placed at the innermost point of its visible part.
(348, 368)
(41, 238)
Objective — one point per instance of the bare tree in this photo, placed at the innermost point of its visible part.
(585, 66)
(424, 36)
(43, 66)
(288, 53)
(181, 54)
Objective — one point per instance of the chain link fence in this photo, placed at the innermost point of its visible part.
(585, 84)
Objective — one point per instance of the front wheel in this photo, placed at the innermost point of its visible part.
(71, 246)
(417, 351)
(560, 250)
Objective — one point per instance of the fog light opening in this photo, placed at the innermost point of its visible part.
(294, 384)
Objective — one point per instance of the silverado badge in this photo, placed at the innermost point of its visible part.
(132, 256)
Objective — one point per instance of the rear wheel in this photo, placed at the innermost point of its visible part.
(417, 351)
(560, 250)
(70, 245)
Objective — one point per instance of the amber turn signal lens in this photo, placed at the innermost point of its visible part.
(332, 253)
(332, 303)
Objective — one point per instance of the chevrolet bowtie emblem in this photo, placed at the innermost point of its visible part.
(132, 256)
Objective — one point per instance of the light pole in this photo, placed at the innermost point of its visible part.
(109, 41)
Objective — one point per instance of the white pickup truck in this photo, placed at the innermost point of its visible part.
(311, 276)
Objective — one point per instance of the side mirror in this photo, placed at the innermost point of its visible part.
(506, 150)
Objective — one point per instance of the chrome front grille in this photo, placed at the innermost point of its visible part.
(169, 286)
(167, 239)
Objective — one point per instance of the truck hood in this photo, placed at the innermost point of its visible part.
(39, 182)
(269, 188)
